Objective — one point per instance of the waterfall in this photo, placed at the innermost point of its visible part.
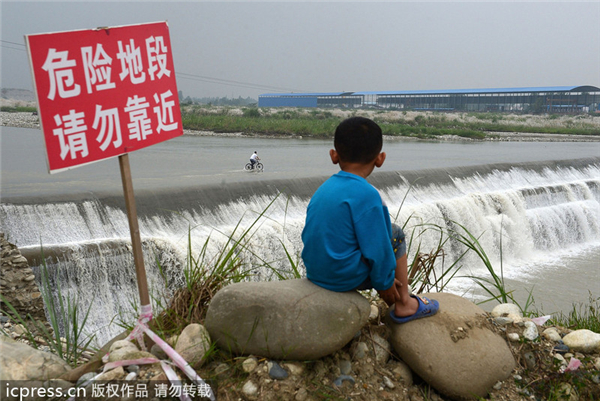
(519, 213)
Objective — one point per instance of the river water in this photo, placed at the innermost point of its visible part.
(533, 205)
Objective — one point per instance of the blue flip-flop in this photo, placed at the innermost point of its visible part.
(427, 307)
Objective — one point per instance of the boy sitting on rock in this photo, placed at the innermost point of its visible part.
(349, 240)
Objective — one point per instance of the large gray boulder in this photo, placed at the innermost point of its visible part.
(291, 319)
(456, 351)
(19, 361)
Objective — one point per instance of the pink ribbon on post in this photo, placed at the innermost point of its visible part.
(137, 333)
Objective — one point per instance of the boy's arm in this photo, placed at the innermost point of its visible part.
(392, 294)
(376, 247)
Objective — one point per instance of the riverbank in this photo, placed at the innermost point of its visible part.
(367, 368)
(591, 123)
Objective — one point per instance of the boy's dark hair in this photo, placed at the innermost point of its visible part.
(358, 140)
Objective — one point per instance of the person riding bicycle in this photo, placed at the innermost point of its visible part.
(254, 158)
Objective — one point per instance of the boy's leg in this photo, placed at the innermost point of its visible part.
(405, 305)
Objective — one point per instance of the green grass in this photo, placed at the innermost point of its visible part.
(18, 109)
(322, 124)
(581, 316)
(67, 337)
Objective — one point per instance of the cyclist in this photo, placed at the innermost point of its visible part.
(254, 158)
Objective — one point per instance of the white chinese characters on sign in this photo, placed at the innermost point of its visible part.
(60, 74)
(97, 68)
(143, 115)
(164, 112)
(72, 137)
(157, 54)
(131, 63)
(140, 125)
(109, 126)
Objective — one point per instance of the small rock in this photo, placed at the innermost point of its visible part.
(360, 350)
(597, 363)
(116, 373)
(29, 278)
(250, 389)
(249, 365)
(301, 395)
(498, 386)
(130, 376)
(277, 372)
(20, 260)
(510, 310)
(20, 329)
(221, 369)
(388, 383)
(402, 373)
(503, 320)
(531, 332)
(551, 334)
(561, 348)
(121, 344)
(345, 367)
(158, 352)
(295, 369)
(583, 341)
(84, 378)
(126, 355)
(517, 378)
(341, 379)
(560, 358)
(374, 314)
(514, 337)
(529, 359)
(382, 349)
(193, 344)
(133, 368)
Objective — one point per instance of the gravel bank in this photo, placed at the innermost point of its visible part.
(30, 120)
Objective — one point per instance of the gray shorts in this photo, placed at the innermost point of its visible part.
(399, 246)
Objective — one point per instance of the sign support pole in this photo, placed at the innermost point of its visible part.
(136, 242)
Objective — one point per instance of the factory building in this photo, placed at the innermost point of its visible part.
(552, 99)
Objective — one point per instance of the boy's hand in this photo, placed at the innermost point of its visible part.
(392, 294)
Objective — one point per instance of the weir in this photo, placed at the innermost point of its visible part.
(517, 212)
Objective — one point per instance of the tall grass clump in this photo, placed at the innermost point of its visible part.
(67, 336)
(581, 316)
(205, 275)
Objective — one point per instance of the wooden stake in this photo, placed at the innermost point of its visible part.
(136, 242)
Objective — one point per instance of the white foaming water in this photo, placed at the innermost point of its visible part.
(525, 221)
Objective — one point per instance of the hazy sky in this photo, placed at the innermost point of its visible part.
(247, 48)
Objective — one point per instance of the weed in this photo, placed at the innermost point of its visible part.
(581, 316)
(67, 337)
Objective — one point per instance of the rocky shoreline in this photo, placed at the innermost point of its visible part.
(31, 120)
(376, 363)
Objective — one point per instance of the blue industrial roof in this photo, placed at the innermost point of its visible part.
(306, 94)
(588, 88)
(486, 90)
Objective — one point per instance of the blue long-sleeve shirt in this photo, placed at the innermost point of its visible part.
(346, 221)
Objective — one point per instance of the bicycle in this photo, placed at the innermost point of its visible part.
(258, 166)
